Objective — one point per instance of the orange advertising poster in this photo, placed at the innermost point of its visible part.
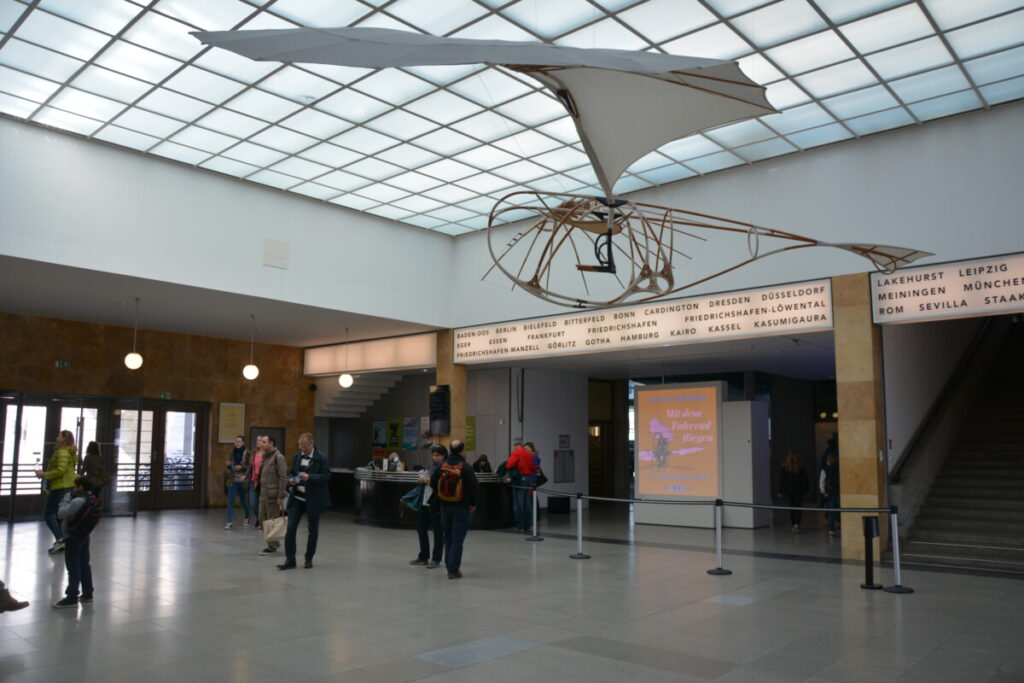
(677, 440)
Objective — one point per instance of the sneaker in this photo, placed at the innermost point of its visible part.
(268, 551)
(57, 547)
(455, 574)
(308, 564)
(228, 526)
(66, 602)
(246, 523)
(433, 565)
(418, 563)
(85, 598)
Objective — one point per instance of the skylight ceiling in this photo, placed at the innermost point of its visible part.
(435, 147)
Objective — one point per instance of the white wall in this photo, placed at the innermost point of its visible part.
(951, 187)
(918, 359)
(77, 202)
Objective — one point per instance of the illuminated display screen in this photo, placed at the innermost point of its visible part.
(677, 440)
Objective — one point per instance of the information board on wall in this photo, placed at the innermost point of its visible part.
(953, 290)
(677, 440)
(768, 311)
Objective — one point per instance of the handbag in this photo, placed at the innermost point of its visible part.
(413, 499)
(275, 529)
(541, 479)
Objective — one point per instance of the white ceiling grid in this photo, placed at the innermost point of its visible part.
(435, 147)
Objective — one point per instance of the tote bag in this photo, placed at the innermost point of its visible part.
(275, 529)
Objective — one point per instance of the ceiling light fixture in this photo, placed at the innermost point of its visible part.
(133, 361)
(250, 371)
(346, 380)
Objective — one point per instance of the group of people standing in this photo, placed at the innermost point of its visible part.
(265, 483)
(794, 485)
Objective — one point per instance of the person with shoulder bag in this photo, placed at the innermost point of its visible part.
(455, 484)
(79, 514)
(60, 475)
(238, 467)
(430, 514)
(273, 485)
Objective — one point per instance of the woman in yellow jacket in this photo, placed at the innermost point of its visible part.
(61, 475)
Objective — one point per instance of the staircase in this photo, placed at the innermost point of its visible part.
(354, 401)
(973, 516)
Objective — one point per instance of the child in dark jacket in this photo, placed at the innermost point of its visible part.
(76, 550)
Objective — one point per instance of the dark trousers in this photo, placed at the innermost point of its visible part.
(53, 499)
(832, 517)
(296, 509)
(795, 515)
(521, 508)
(76, 559)
(430, 518)
(455, 522)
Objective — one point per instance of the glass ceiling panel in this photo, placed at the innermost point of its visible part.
(109, 16)
(437, 17)
(812, 52)
(320, 13)
(185, 155)
(298, 85)
(330, 155)
(820, 136)
(26, 85)
(952, 13)
(137, 62)
(988, 36)
(257, 155)
(443, 107)
(835, 79)
(883, 120)
(203, 84)
(61, 35)
(126, 138)
(660, 20)
(495, 122)
(996, 67)
(263, 105)
(300, 168)
(93, 106)
(930, 84)
(38, 61)
(888, 28)
(602, 34)
(551, 19)
(779, 23)
(227, 166)
(945, 105)
(314, 123)
(66, 121)
(231, 123)
(907, 59)
(841, 11)
(861, 102)
(204, 139)
(164, 35)
(15, 106)
(715, 42)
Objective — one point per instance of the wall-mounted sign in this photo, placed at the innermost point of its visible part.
(951, 290)
(769, 311)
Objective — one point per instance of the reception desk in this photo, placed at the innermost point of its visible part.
(378, 498)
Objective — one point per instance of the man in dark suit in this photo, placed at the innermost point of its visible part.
(307, 486)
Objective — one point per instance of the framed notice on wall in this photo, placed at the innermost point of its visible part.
(230, 422)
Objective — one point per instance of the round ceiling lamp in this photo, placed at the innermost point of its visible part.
(133, 361)
(250, 371)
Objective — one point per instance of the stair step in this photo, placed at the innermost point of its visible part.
(966, 501)
(976, 538)
(1012, 528)
(1011, 513)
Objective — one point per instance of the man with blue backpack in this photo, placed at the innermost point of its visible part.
(79, 513)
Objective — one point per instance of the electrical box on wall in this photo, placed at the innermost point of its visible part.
(565, 466)
(440, 409)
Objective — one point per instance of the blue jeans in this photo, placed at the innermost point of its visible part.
(430, 518)
(53, 499)
(521, 508)
(296, 509)
(455, 522)
(254, 500)
(832, 517)
(238, 489)
(76, 559)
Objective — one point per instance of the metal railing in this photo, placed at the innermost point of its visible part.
(719, 504)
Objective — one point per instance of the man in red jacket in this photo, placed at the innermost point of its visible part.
(521, 468)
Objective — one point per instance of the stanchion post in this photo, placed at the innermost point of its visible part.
(579, 555)
(870, 525)
(535, 536)
(894, 523)
(718, 570)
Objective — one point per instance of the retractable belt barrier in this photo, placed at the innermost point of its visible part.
(718, 503)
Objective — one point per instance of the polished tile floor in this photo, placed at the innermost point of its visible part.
(180, 599)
